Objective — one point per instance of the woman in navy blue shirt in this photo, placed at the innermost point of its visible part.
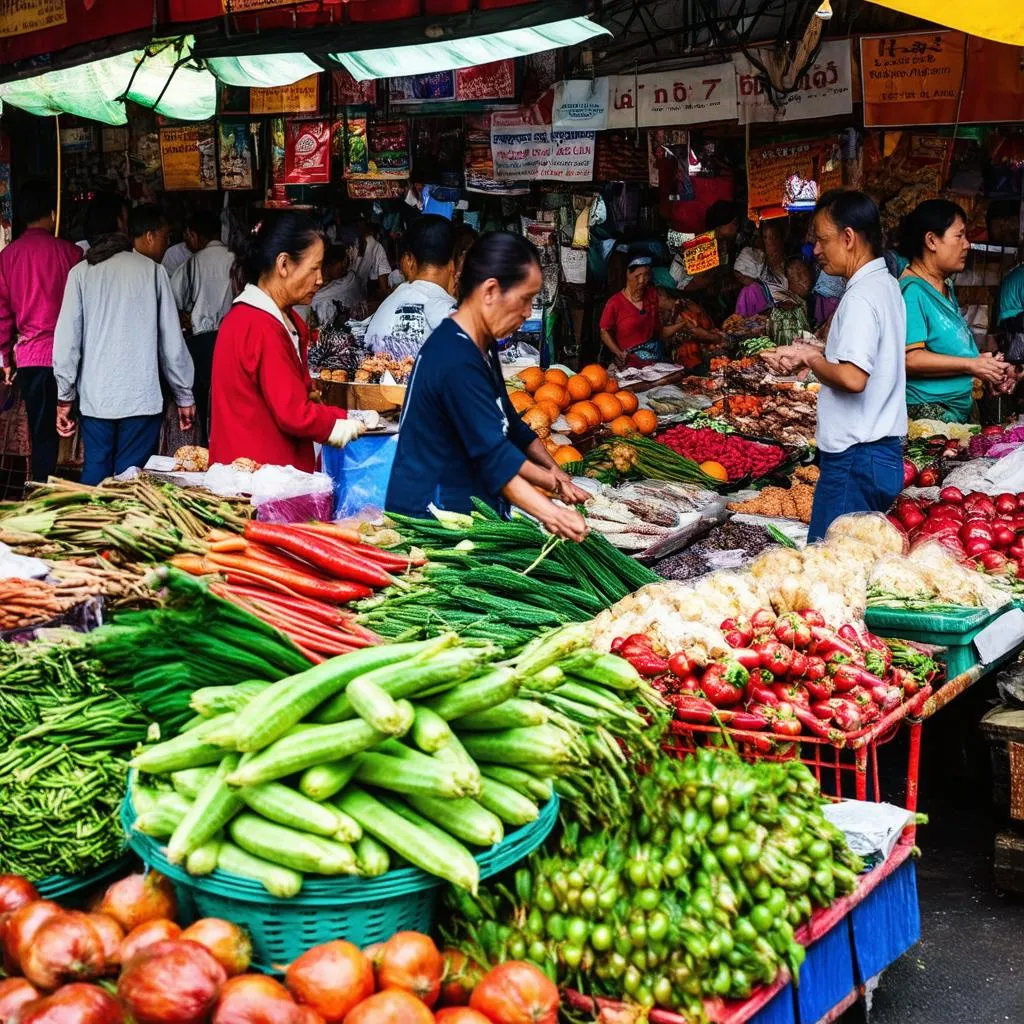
(459, 436)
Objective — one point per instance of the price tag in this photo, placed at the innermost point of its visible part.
(1000, 636)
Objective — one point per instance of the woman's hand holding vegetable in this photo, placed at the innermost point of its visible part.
(563, 522)
(988, 368)
(567, 490)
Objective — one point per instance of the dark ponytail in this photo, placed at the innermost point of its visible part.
(281, 231)
(499, 254)
(933, 216)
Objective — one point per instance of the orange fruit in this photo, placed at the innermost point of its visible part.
(608, 406)
(622, 425)
(611, 386)
(565, 454)
(579, 388)
(554, 376)
(587, 410)
(597, 375)
(715, 470)
(532, 378)
(577, 423)
(552, 393)
(645, 420)
(549, 408)
(628, 401)
(520, 400)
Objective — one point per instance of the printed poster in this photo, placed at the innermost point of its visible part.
(824, 90)
(687, 96)
(701, 254)
(572, 156)
(479, 163)
(302, 97)
(494, 81)
(580, 104)
(235, 140)
(307, 151)
(518, 149)
(347, 92)
(188, 158)
(440, 85)
(769, 166)
(20, 16)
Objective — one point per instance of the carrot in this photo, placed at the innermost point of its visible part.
(393, 559)
(327, 614)
(229, 544)
(192, 564)
(328, 590)
(272, 556)
(331, 530)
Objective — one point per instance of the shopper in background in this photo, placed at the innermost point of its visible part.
(410, 314)
(117, 334)
(370, 262)
(942, 357)
(261, 407)
(465, 236)
(106, 214)
(862, 417)
(202, 289)
(33, 273)
(459, 436)
(341, 289)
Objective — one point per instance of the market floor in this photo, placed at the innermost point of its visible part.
(968, 967)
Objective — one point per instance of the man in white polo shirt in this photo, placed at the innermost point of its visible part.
(862, 411)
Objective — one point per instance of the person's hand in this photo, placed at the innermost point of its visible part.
(567, 490)
(9, 373)
(564, 522)
(989, 369)
(344, 432)
(799, 354)
(186, 417)
(65, 422)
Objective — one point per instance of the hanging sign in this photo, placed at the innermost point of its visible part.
(376, 151)
(769, 167)
(479, 162)
(114, 140)
(688, 96)
(187, 158)
(77, 140)
(439, 85)
(580, 103)
(346, 91)
(235, 140)
(825, 89)
(572, 156)
(494, 81)
(307, 152)
(244, 6)
(20, 16)
(518, 149)
(701, 253)
(302, 97)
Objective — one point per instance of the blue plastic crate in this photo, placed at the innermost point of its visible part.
(887, 923)
(827, 976)
(781, 1010)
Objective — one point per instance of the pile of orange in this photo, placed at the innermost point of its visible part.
(587, 399)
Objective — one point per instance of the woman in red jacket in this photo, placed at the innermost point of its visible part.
(260, 405)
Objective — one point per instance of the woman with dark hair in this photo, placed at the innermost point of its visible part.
(942, 356)
(459, 437)
(260, 405)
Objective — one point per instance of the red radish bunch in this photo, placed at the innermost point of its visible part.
(740, 457)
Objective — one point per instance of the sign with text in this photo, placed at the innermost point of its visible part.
(769, 167)
(825, 89)
(188, 158)
(518, 149)
(688, 96)
(494, 81)
(302, 97)
(572, 156)
(580, 103)
(20, 16)
(701, 254)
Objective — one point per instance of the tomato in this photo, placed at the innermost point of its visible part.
(65, 948)
(21, 927)
(516, 993)
(254, 999)
(412, 962)
(460, 1015)
(15, 993)
(392, 1006)
(460, 978)
(15, 892)
(171, 982)
(138, 898)
(331, 978)
(111, 936)
(147, 934)
(74, 1004)
(231, 946)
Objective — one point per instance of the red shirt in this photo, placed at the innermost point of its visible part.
(33, 274)
(628, 325)
(259, 400)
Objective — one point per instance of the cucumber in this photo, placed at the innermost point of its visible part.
(270, 714)
(190, 781)
(607, 669)
(401, 776)
(512, 807)
(323, 781)
(144, 798)
(299, 851)
(158, 822)
(287, 806)
(475, 695)
(283, 883)
(189, 750)
(430, 732)
(304, 748)
(509, 714)
(217, 700)
(538, 743)
(522, 781)
(413, 677)
(451, 760)
(430, 850)
(464, 818)
(375, 706)
(215, 805)
(372, 857)
(203, 859)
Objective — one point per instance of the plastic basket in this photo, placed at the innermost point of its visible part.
(67, 887)
(361, 910)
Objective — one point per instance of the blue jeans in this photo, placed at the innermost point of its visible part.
(112, 446)
(864, 478)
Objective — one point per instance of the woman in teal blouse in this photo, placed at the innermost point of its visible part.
(942, 358)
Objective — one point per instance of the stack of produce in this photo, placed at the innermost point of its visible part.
(26, 602)
(631, 457)
(788, 675)
(129, 960)
(994, 442)
(499, 580)
(416, 747)
(746, 540)
(294, 577)
(691, 899)
(725, 457)
(793, 502)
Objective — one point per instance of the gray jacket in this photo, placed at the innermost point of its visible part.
(117, 333)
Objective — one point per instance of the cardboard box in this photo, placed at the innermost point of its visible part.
(387, 399)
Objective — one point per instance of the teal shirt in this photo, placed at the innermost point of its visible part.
(1011, 294)
(934, 321)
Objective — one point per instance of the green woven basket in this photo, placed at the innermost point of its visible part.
(360, 910)
(67, 887)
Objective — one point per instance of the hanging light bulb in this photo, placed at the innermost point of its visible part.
(824, 11)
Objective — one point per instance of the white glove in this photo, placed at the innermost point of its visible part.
(368, 416)
(345, 431)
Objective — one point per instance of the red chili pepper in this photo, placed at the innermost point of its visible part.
(823, 710)
(792, 630)
(679, 665)
(748, 658)
(617, 644)
(760, 694)
(693, 709)
(329, 590)
(748, 720)
(648, 664)
(634, 642)
(827, 642)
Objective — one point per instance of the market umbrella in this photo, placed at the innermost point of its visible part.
(999, 20)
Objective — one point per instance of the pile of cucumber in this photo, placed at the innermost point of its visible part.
(403, 753)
